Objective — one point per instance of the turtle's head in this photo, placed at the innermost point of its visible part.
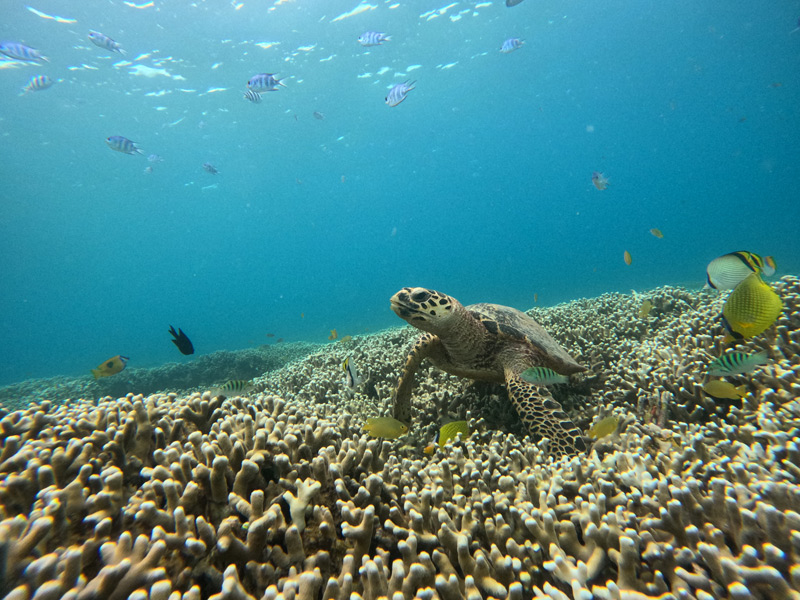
(425, 309)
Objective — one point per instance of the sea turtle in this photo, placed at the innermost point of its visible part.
(488, 342)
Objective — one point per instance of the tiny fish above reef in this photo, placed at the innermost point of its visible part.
(542, 376)
(447, 432)
(110, 367)
(724, 389)
(352, 376)
(252, 96)
(603, 427)
(264, 82)
(385, 427)
(599, 180)
(333, 335)
(626, 256)
(234, 386)
(399, 92)
(209, 168)
(373, 38)
(511, 44)
(752, 307)
(38, 83)
(17, 51)
(103, 41)
(728, 270)
(645, 309)
(735, 363)
(123, 144)
(183, 343)
(657, 233)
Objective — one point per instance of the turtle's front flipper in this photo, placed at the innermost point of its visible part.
(543, 417)
(401, 410)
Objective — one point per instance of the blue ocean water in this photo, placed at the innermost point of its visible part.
(478, 184)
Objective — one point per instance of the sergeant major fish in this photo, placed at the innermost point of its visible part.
(736, 363)
(264, 82)
(252, 96)
(542, 376)
(17, 51)
(511, 44)
(38, 83)
(122, 144)
(103, 41)
(373, 38)
(399, 92)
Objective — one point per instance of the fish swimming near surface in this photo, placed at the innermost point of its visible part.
(511, 44)
(727, 271)
(752, 307)
(657, 233)
(183, 343)
(626, 256)
(542, 376)
(236, 386)
(447, 432)
(318, 115)
(511, 3)
(264, 82)
(724, 389)
(123, 144)
(599, 180)
(352, 376)
(110, 367)
(385, 427)
(209, 168)
(603, 427)
(399, 92)
(373, 38)
(38, 83)
(106, 43)
(645, 309)
(155, 158)
(17, 51)
(735, 363)
(252, 96)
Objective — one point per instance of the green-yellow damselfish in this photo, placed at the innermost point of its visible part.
(752, 307)
(385, 427)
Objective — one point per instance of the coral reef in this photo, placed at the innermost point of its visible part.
(281, 496)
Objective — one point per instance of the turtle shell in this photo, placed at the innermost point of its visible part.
(511, 324)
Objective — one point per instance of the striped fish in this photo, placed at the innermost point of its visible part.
(735, 363)
(18, 51)
(373, 38)
(398, 93)
(236, 386)
(122, 144)
(38, 83)
(542, 376)
(511, 44)
(254, 97)
(103, 41)
(264, 82)
(729, 270)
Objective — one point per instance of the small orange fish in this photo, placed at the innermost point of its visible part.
(302, 315)
(599, 180)
(657, 232)
(627, 257)
(333, 335)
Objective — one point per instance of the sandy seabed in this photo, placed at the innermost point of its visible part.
(180, 495)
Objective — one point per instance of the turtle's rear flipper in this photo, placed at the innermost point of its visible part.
(543, 417)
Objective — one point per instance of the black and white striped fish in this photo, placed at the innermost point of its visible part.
(511, 44)
(254, 97)
(398, 93)
(37, 84)
(103, 41)
(373, 38)
(735, 363)
(123, 144)
(236, 386)
(264, 82)
(18, 51)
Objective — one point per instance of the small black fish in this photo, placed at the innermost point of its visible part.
(512, 2)
(183, 343)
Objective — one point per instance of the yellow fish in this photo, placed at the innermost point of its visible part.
(626, 256)
(603, 427)
(385, 427)
(724, 389)
(657, 232)
(347, 338)
(645, 309)
(447, 432)
(333, 335)
(752, 307)
(110, 367)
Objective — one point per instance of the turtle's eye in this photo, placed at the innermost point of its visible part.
(420, 296)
